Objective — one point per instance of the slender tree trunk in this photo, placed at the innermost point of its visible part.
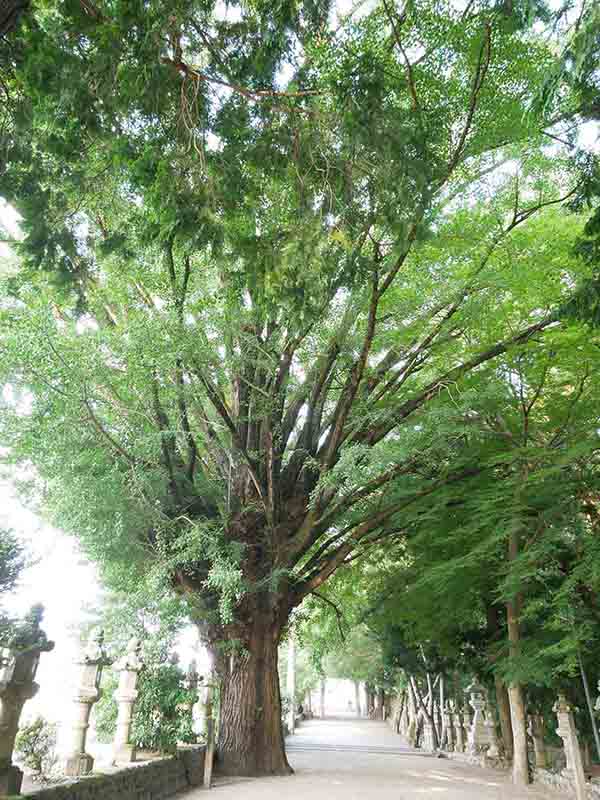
(380, 704)
(518, 718)
(496, 632)
(442, 706)
(291, 682)
(357, 698)
(322, 698)
(250, 732)
(504, 714)
(518, 714)
(588, 700)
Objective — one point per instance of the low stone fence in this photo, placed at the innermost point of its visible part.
(468, 733)
(147, 781)
(151, 780)
(565, 784)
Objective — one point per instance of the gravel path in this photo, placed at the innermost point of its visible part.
(350, 759)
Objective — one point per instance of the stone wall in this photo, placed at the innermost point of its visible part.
(153, 780)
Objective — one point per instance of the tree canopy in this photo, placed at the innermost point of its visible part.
(266, 254)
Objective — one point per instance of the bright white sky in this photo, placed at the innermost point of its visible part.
(66, 583)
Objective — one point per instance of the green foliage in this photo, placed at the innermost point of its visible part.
(35, 748)
(13, 560)
(307, 674)
(160, 721)
(267, 271)
(531, 445)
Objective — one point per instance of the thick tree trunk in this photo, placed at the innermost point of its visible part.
(504, 713)
(250, 733)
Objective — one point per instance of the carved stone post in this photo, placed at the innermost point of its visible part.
(536, 731)
(449, 725)
(191, 684)
(18, 667)
(478, 735)
(490, 728)
(86, 694)
(129, 667)
(568, 733)
(428, 736)
(459, 730)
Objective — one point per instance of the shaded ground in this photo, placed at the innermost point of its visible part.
(351, 759)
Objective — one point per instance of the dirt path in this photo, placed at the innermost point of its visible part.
(354, 759)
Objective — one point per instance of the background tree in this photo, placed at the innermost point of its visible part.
(13, 561)
(35, 747)
(461, 567)
(258, 256)
(307, 674)
(160, 721)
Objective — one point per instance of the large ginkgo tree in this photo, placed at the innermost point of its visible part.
(261, 245)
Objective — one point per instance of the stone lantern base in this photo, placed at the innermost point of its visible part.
(79, 764)
(11, 779)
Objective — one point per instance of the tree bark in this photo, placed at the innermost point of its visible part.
(518, 714)
(250, 734)
(505, 717)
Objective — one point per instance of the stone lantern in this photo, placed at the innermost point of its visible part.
(18, 667)
(490, 727)
(86, 694)
(477, 737)
(568, 733)
(459, 730)
(191, 684)
(128, 668)
(536, 731)
(449, 716)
